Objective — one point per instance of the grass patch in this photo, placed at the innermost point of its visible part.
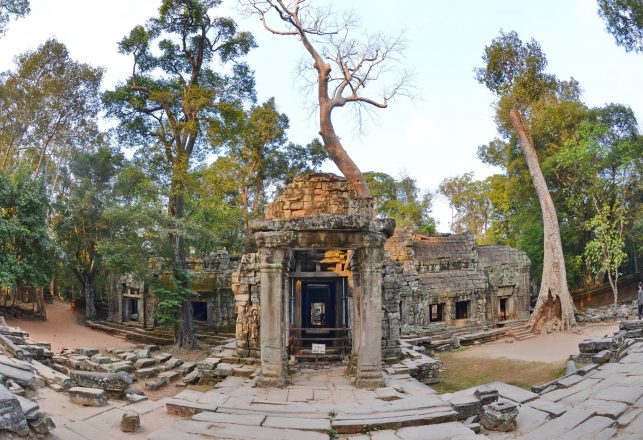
(461, 372)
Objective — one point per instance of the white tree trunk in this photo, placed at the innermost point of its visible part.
(554, 309)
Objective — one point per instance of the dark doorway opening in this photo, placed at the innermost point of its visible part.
(199, 310)
(502, 316)
(133, 309)
(436, 313)
(461, 309)
(318, 312)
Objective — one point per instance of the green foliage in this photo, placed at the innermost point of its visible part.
(12, 9)
(480, 206)
(624, 20)
(401, 200)
(605, 252)
(48, 107)
(27, 253)
(171, 294)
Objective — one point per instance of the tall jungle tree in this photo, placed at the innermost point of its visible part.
(173, 97)
(48, 106)
(624, 20)
(515, 72)
(342, 64)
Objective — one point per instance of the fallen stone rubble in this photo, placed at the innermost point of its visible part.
(607, 314)
(20, 376)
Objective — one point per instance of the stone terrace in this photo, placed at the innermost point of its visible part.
(602, 400)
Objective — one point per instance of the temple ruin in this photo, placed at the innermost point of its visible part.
(330, 281)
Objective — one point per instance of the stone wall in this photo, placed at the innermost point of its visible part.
(246, 285)
(310, 195)
(209, 276)
(451, 276)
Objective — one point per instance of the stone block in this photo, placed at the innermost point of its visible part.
(187, 367)
(173, 363)
(89, 352)
(130, 422)
(88, 396)
(114, 383)
(161, 358)
(12, 418)
(42, 424)
(18, 371)
(499, 416)
(145, 373)
(145, 363)
(209, 363)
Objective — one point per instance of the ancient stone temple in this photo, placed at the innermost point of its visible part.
(315, 284)
(210, 278)
(448, 280)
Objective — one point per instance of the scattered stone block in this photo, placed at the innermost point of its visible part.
(173, 363)
(187, 367)
(88, 396)
(151, 347)
(12, 418)
(117, 367)
(145, 363)
(19, 371)
(208, 364)
(602, 357)
(43, 424)
(131, 421)
(145, 373)
(114, 383)
(156, 384)
(162, 357)
(51, 376)
(170, 376)
(100, 359)
(134, 398)
(89, 352)
(499, 416)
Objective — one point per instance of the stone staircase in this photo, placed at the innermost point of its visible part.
(158, 335)
(520, 331)
(213, 414)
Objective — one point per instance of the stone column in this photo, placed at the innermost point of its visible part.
(369, 360)
(273, 316)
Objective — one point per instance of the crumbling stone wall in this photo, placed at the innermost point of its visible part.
(449, 274)
(310, 195)
(209, 276)
(246, 285)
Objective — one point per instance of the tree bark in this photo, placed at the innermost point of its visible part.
(554, 309)
(183, 330)
(90, 306)
(332, 143)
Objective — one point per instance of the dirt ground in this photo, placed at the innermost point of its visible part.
(550, 348)
(63, 330)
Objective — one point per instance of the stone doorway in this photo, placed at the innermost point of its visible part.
(502, 315)
(319, 233)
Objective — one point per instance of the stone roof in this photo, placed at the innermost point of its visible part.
(459, 247)
(496, 255)
(453, 281)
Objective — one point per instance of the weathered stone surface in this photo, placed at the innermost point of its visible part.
(145, 373)
(145, 363)
(18, 371)
(12, 417)
(173, 363)
(187, 367)
(42, 424)
(88, 396)
(499, 416)
(115, 383)
(131, 421)
(89, 352)
(559, 426)
(52, 376)
(595, 345)
(512, 392)
(299, 423)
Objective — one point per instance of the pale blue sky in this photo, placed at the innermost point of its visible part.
(430, 138)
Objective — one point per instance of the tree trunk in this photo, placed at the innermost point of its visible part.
(613, 285)
(554, 309)
(332, 143)
(90, 306)
(183, 330)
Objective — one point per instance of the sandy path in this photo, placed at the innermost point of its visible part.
(553, 347)
(63, 330)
